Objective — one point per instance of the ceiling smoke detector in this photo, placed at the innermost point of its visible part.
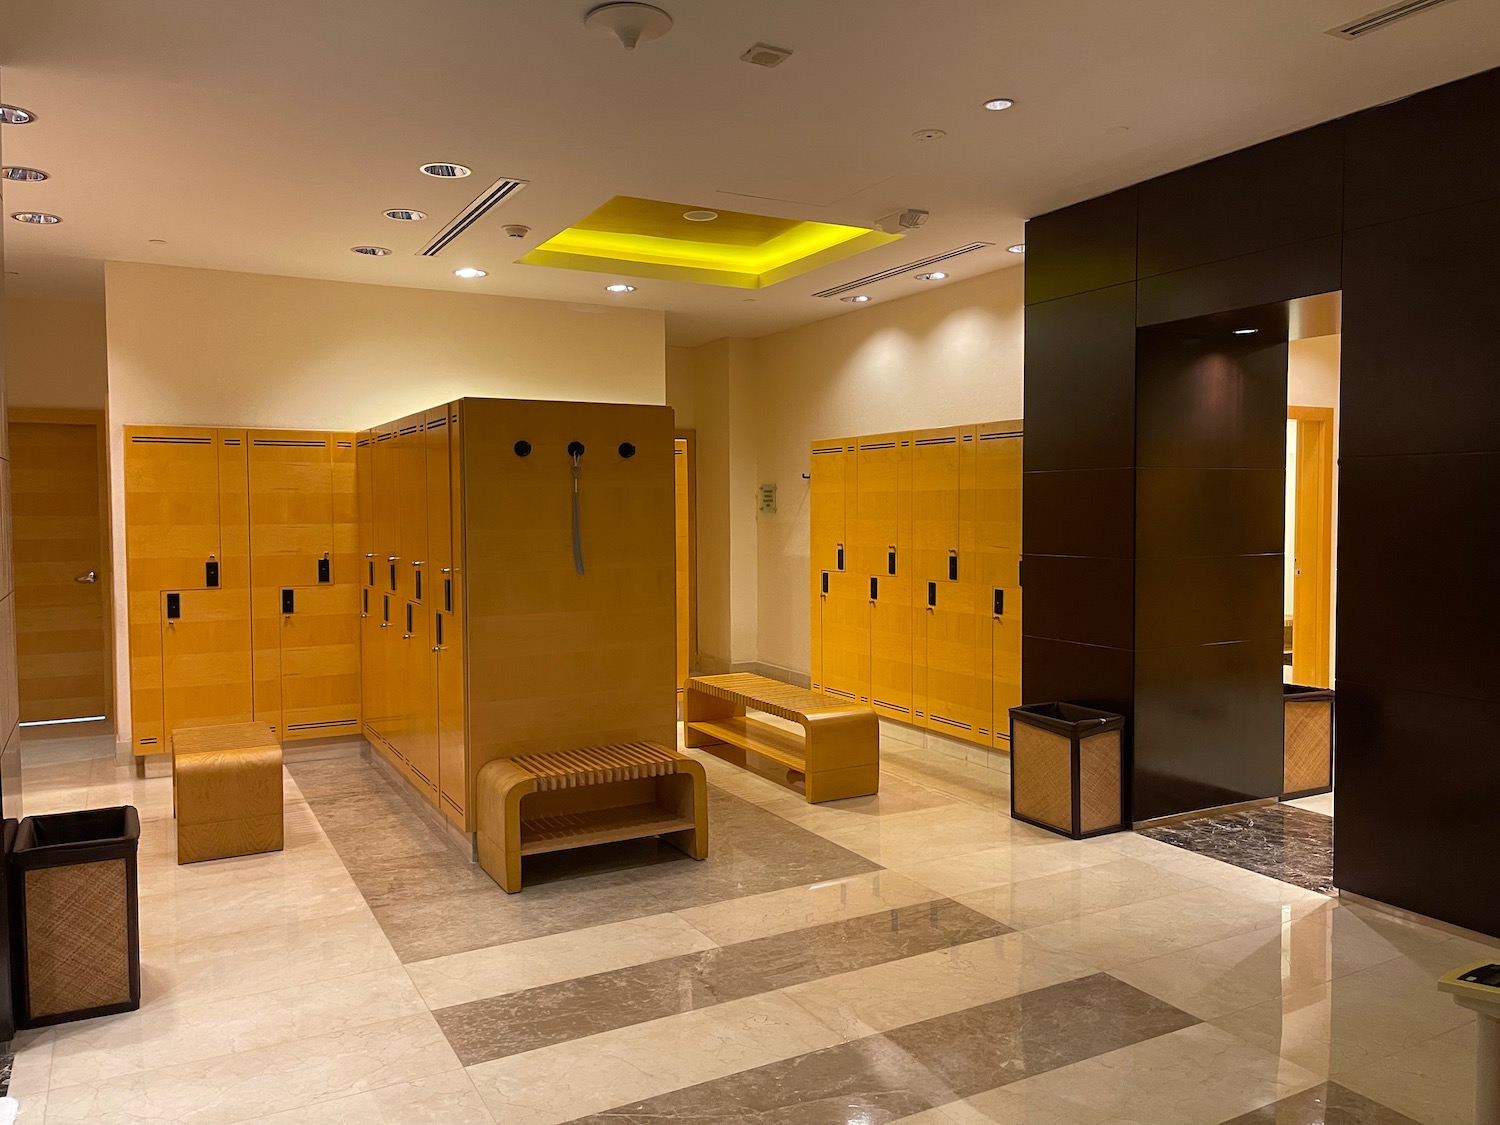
(629, 23)
(763, 54)
(900, 222)
(515, 230)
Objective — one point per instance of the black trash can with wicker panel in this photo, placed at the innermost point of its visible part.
(1066, 769)
(1307, 758)
(75, 916)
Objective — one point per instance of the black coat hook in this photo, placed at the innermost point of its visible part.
(523, 448)
(575, 449)
(627, 450)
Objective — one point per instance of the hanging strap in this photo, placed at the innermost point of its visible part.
(577, 529)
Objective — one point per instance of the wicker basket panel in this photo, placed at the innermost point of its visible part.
(1042, 776)
(1099, 782)
(1308, 763)
(77, 937)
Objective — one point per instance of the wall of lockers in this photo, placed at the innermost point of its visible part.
(242, 581)
(916, 575)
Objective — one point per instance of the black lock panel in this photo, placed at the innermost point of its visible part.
(211, 574)
(288, 601)
(174, 606)
(325, 572)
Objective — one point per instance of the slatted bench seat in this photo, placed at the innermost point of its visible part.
(226, 791)
(838, 753)
(539, 803)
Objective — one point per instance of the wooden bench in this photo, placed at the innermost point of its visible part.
(226, 791)
(573, 798)
(837, 754)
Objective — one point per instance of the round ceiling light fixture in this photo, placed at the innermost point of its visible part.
(1246, 331)
(1018, 248)
(371, 251)
(445, 171)
(15, 115)
(23, 175)
(39, 218)
(857, 299)
(630, 23)
(997, 104)
(700, 216)
(939, 275)
(619, 287)
(405, 214)
(468, 273)
(930, 134)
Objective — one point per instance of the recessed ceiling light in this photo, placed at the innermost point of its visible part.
(469, 272)
(619, 287)
(41, 218)
(1246, 331)
(406, 215)
(929, 134)
(25, 175)
(15, 115)
(700, 216)
(998, 104)
(857, 299)
(446, 171)
(937, 276)
(371, 251)
(1018, 248)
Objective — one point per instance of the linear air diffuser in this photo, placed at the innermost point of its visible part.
(897, 271)
(485, 202)
(1354, 29)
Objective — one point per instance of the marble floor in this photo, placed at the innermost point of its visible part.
(1286, 842)
(913, 958)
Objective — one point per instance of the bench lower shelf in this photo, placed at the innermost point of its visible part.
(757, 737)
(598, 826)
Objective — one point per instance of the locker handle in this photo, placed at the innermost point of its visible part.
(392, 558)
(369, 554)
(419, 562)
(874, 589)
(999, 603)
(447, 570)
(439, 632)
(952, 566)
(448, 594)
(931, 595)
(890, 561)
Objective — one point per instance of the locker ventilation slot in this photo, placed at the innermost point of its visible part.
(891, 706)
(362, 443)
(897, 271)
(840, 694)
(329, 725)
(288, 444)
(437, 423)
(954, 723)
(937, 441)
(346, 445)
(452, 804)
(409, 429)
(817, 452)
(487, 200)
(232, 441)
(172, 441)
(1354, 29)
(1000, 434)
(148, 742)
(879, 445)
(384, 437)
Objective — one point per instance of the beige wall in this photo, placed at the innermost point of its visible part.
(55, 353)
(205, 347)
(948, 356)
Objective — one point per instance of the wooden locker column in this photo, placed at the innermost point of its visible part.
(684, 554)
(448, 593)
(998, 526)
(845, 624)
(882, 539)
(416, 725)
(382, 677)
(953, 699)
(830, 465)
(438, 572)
(207, 675)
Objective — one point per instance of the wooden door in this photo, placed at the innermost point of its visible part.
(61, 552)
(1312, 547)
(882, 528)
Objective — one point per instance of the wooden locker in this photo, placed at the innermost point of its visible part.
(955, 700)
(448, 620)
(412, 503)
(845, 625)
(385, 508)
(171, 478)
(416, 730)
(684, 555)
(882, 534)
(998, 524)
(831, 486)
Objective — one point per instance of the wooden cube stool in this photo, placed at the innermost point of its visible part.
(226, 784)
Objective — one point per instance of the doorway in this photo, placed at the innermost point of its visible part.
(61, 540)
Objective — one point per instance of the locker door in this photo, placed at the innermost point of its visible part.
(171, 536)
(365, 501)
(385, 508)
(448, 639)
(412, 504)
(205, 667)
(417, 731)
(683, 554)
(291, 538)
(379, 649)
(881, 540)
(319, 658)
(831, 472)
(998, 525)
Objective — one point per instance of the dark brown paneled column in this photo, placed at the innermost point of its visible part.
(1079, 480)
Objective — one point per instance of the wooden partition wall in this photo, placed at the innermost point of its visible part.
(481, 638)
(241, 581)
(916, 576)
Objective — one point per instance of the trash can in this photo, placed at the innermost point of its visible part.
(1066, 769)
(1307, 749)
(75, 916)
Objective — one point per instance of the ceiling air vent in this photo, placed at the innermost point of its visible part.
(897, 271)
(487, 200)
(1354, 29)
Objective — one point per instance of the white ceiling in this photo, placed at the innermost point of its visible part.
(268, 137)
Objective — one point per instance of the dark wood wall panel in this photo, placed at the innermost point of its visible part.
(1088, 246)
(1298, 269)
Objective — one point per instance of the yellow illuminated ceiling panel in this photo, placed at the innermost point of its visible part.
(650, 238)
